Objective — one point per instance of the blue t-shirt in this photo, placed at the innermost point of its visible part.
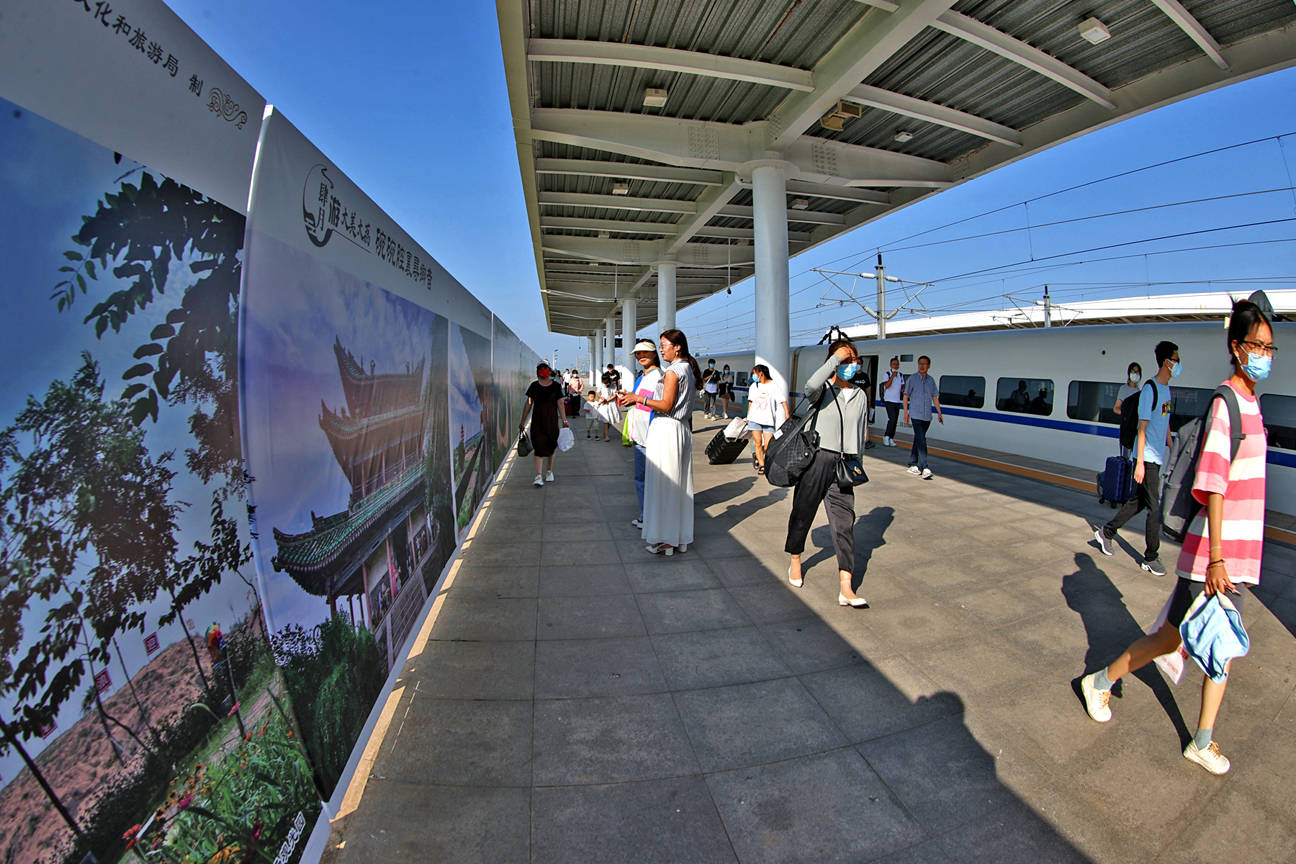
(1157, 413)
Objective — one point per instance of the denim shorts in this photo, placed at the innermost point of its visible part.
(756, 427)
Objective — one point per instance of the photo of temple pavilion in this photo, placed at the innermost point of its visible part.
(373, 553)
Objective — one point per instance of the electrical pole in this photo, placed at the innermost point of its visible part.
(880, 272)
(1048, 309)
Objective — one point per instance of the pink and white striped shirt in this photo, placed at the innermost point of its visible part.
(1243, 486)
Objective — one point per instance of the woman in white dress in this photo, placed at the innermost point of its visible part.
(668, 476)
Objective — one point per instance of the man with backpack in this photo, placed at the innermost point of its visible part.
(1151, 446)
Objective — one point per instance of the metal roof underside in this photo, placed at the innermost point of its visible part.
(613, 187)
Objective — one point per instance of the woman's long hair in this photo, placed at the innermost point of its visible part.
(680, 341)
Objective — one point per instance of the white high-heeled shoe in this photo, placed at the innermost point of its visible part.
(856, 602)
(795, 583)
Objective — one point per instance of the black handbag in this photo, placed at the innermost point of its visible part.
(792, 448)
(524, 444)
(850, 471)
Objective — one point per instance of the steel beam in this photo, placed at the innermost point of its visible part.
(930, 112)
(668, 60)
(617, 202)
(628, 171)
(1011, 48)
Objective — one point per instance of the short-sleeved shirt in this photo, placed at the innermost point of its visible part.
(684, 393)
(649, 385)
(710, 380)
(895, 391)
(1125, 391)
(1157, 414)
(764, 402)
(1242, 483)
(922, 390)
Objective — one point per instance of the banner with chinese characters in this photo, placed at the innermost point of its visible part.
(142, 715)
(372, 427)
(132, 76)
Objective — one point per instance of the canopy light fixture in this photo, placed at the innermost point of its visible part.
(799, 204)
(1094, 31)
(621, 187)
(835, 119)
(654, 97)
(902, 136)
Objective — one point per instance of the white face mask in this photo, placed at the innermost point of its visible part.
(1134, 377)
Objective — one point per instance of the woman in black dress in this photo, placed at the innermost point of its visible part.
(545, 396)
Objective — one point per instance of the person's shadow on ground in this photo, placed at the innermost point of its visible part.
(869, 536)
(1110, 629)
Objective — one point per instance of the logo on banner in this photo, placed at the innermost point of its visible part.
(102, 680)
(325, 214)
(151, 644)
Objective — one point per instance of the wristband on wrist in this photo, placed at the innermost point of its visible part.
(1216, 563)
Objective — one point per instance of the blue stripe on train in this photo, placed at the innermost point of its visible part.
(1285, 458)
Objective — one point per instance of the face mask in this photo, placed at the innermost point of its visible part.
(710, 365)
(544, 373)
(847, 371)
(1134, 378)
(1176, 369)
(1257, 366)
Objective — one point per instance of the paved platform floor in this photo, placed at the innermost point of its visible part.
(576, 699)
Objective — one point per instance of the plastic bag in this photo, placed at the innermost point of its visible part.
(736, 428)
(566, 440)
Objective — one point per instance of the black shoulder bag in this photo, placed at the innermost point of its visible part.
(792, 447)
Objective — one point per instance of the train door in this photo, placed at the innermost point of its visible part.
(870, 367)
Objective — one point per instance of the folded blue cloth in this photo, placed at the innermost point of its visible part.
(1213, 634)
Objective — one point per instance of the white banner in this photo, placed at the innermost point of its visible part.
(131, 76)
(301, 198)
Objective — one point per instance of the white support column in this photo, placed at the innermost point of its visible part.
(609, 333)
(629, 324)
(773, 330)
(596, 355)
(593, 340)
(666, 271)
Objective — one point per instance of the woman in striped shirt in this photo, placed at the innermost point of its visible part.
(1221, 551)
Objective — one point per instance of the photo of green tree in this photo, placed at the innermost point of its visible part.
(133, 649)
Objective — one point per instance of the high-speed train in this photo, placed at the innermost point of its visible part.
(1071, 375)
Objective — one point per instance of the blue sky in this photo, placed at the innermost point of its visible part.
(410, 100)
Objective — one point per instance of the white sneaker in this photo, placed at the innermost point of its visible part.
(1096, 701)
(638, 523)
(886, 441)
(913, 469)
(539, 481)
(926, 474)
(1211, 758)
(549, 477)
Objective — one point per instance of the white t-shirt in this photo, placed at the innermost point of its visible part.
(711, 383)
(892, 392)
(765, 403)
(650, 385)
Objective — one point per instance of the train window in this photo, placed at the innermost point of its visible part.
(740, 379)
(905, 358)
(1092, 401)
(1188, 403)
(962, 390)
(1025, 395)
(1280, 420)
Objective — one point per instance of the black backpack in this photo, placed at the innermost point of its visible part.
(1129, 418)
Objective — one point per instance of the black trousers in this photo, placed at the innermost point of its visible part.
(819, 483)
(1147, 495)
(893, 416)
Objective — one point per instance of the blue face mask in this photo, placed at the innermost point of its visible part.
(1257, 366)
(1176, 369)
(847, 371)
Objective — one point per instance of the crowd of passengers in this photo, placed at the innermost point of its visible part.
(1221, 552)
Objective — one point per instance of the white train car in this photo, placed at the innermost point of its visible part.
(1070, 375)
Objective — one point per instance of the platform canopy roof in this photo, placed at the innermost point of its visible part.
(870, 104)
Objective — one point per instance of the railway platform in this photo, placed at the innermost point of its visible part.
(572, 698)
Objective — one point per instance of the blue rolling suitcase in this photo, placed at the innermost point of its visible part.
(1116, 482)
